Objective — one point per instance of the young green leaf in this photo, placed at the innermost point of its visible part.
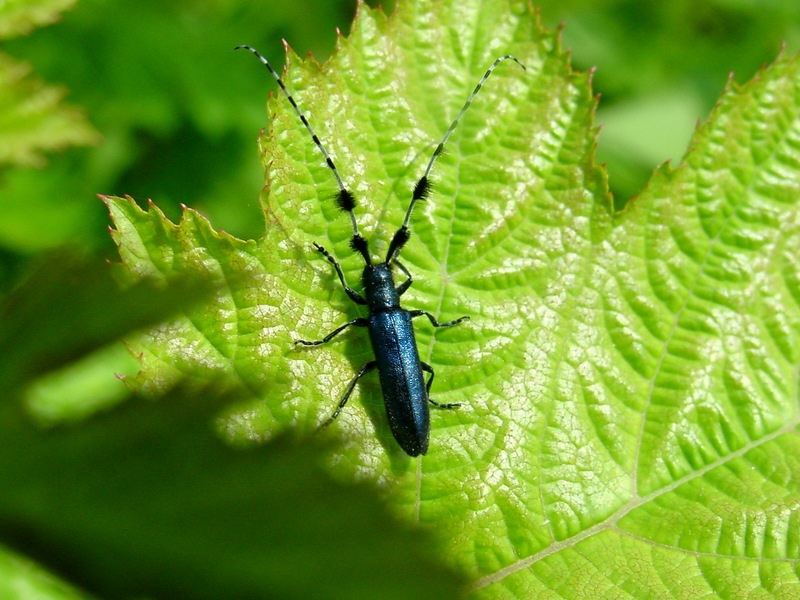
(627, 381)
(20, 18)
(33, 120)
(20, 578)
(32, 117)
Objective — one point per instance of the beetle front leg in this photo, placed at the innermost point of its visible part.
(354, 295)
(357, 322)
(401, 289)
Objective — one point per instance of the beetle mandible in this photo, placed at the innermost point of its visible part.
(406, 394)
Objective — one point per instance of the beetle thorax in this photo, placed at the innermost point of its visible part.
(379, 287)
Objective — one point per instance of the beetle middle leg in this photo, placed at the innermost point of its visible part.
(429, 369)
(432, 319)
(364, 370)
(357, 322)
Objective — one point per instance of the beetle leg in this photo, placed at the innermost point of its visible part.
(432, 319)
(354, 295)
(429, 369)
(407, 283)
(365, 369)
(357, 322)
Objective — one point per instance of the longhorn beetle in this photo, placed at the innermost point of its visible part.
(405, 392)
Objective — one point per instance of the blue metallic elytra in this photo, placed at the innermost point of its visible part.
(406, 394)
(399, 367)
(403, 386)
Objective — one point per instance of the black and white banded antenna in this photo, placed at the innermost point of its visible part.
(344, 198)
(423, 187)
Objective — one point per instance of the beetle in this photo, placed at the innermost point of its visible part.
(406, 394)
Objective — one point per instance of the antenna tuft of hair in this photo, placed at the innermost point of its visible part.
(399, 240)
(422, 190)
(345, 200)
(359, 244)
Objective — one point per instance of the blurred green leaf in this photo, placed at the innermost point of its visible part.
(70, 306)
(20, 17)
(32, 118)
(22, 579)
(80, 388)
(147, 502)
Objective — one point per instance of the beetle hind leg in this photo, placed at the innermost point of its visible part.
(364, 370)
(434, 322)
(429, 369)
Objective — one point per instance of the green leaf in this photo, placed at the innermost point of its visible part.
(148, 502)
(20, 17)
(69, 306)
(21, 579)
(628, 380)
(33, 119)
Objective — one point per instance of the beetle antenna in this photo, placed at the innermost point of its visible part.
(344, 198)
(423, 187)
